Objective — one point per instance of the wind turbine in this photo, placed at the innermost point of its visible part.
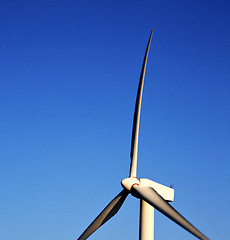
(151, 194)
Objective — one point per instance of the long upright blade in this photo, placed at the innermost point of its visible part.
(109, 211)
(136, 118)
(154, 199)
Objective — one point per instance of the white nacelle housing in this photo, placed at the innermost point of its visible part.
(166, 192)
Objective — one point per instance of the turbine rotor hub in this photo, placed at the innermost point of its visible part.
(128, 183)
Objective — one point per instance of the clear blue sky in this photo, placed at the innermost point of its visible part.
(68, 79)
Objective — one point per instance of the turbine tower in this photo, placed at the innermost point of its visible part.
(151, 194)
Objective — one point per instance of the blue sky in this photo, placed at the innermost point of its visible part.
(68, 79)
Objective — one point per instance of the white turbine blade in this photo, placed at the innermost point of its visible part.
(136, 118)
(153, 198)
(109, 211)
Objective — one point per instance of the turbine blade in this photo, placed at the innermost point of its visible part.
(136, 118)
(154, 199)
(109, 211)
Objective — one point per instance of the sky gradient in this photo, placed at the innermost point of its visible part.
(69, 73)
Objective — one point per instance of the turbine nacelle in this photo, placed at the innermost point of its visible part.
(165, 192)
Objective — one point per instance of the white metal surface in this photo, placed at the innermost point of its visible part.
(166, 192)
(128, 183)
(146, 231)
